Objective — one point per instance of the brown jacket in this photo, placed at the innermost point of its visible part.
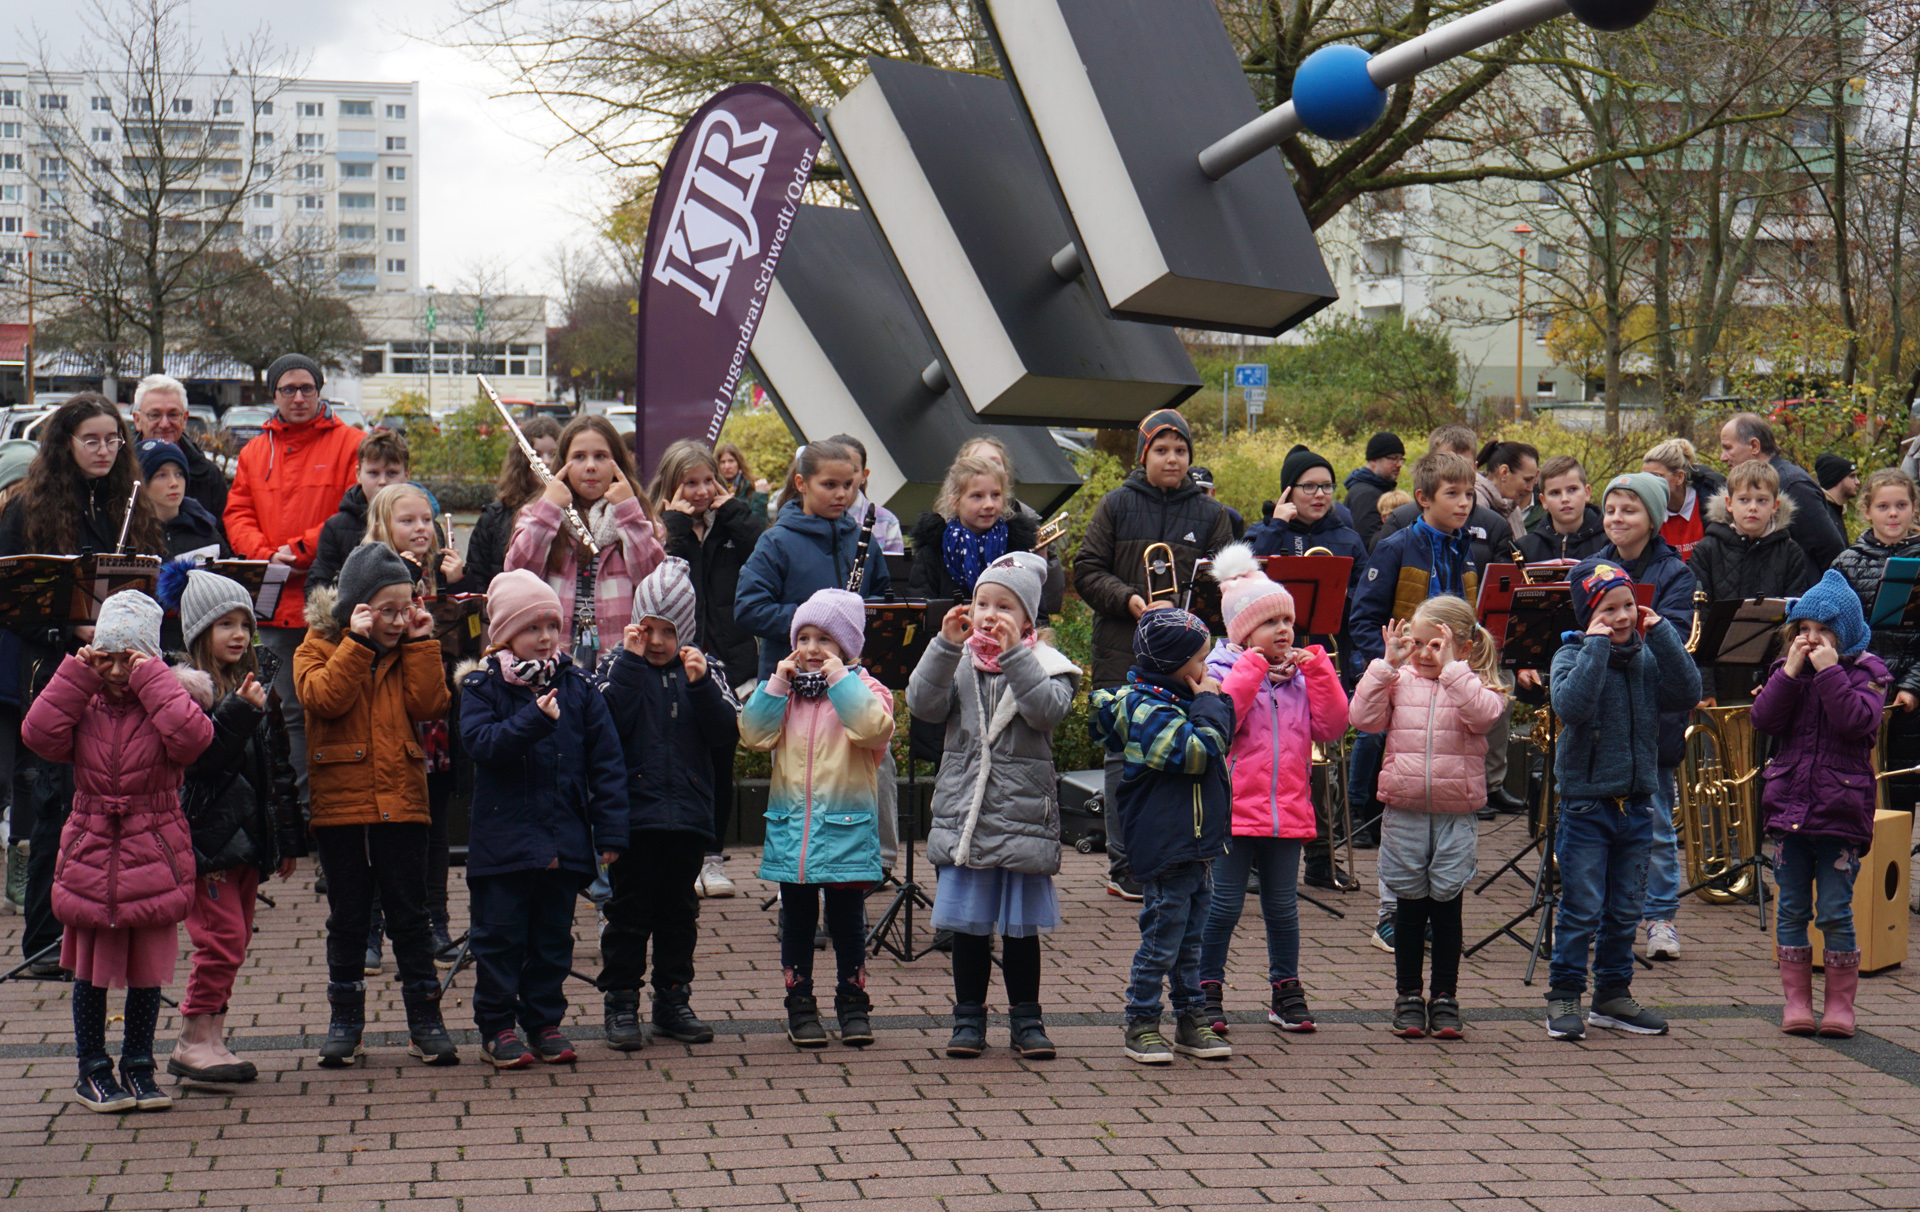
(364, 760)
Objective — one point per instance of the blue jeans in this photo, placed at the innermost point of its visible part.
(1171, 914)
(1278, 859)
(1601, 848)
(1363, 774)
(1815, 877)
(1663, 863)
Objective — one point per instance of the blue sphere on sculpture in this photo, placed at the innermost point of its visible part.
(1333, 94)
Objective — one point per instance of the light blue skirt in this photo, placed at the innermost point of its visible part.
(990, 900)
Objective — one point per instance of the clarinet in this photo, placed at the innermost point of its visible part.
(860, 553)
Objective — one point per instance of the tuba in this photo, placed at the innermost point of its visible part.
(1716, 812)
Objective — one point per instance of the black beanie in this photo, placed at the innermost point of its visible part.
(370, 568)
(294, 361)
(1385, 446)
(1298, 462)
(1158, 420)
(1830, 469)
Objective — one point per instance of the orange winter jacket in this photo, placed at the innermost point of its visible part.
(289, 481)
(365, 765)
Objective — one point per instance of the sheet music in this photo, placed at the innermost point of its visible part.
(271, 586)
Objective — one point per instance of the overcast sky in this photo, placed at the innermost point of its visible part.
(490, 189)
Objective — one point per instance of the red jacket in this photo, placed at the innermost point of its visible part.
(126, 855)
(288, 483)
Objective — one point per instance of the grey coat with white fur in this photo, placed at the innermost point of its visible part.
(995, 803)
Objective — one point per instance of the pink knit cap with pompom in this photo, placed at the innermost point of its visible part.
(1247, 597)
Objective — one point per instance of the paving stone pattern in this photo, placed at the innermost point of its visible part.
(1725, 1113)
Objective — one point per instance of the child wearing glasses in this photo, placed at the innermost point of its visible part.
(368, 674)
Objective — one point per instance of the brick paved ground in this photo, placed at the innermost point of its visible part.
(1725, 1113)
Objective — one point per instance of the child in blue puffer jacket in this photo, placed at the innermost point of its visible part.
(549, 803)
(1173, 725)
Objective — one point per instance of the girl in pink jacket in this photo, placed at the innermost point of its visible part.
(1284, 699)
(125, 874)
(1434, 695)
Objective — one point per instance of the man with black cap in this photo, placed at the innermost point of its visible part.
(1158, 503)
(1386, 454)
(286, 484)
(1203, 477)
(1839, 484)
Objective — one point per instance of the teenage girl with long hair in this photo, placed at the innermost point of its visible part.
(517, 485)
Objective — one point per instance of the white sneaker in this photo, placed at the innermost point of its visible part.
(1663, 943)
(712, 881)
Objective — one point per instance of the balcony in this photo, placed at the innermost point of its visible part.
(358, 279)
(1379, 290)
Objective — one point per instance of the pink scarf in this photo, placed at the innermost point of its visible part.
(985, 649)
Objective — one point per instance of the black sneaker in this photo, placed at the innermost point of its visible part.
(1409, 1016)
(505, 1051)
(804, 1029)
(1565, 1019)
(553, 1046)
(623, 1032)
(147, 1094)
(1443, 1019)
(97, 1091)
(1211, 993)
(1125, 888)
(1289, 1009)
(1192, 1037)
(1622, 1013)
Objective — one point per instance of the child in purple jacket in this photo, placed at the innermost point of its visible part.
(1823, 700)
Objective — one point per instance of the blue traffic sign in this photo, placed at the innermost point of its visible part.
(1250, 374)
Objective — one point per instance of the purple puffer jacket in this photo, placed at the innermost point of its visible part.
(1820, 783)
(126, 855)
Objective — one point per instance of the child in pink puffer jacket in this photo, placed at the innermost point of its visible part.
(1434, 696)
(1284, 699)
(125, 875)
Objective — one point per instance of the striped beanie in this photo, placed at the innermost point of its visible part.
(667, 593)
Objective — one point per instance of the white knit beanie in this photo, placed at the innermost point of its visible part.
(129, 622)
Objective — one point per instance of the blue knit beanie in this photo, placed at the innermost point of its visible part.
(1592, 579)
(1833, 603)
(1168, 638)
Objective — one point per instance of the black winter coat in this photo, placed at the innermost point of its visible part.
(714, 563)
(240, 798)
(193, 528)
(1864, 564)
(1364, 490)
(669, 729)
(338, 537)
(930, 578)
(487, 543)
(1110, 567)
(543, 789)
(206, 483)
(1812, 525)
(1543, 542)
(1733, 568)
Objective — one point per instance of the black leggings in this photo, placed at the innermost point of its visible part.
(973, 968)
(846, 926)
(1410, 919)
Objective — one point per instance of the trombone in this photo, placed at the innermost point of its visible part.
(1163, 579)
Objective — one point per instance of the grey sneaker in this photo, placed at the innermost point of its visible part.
(1622, 1013)
(16, 894)
(1145, 1044)
(1192, 1037)
(1564, 1020)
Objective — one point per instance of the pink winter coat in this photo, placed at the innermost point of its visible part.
(1275, 725)
(126, 856)
(1436, 730)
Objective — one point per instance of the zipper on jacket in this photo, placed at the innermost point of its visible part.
(1427, 774)
(1197, 816)
(113, 853)
(806, 821)
(1273, 792)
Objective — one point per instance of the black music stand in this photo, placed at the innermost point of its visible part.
(897, 635)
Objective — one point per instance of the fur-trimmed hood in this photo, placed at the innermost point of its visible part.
(320, 603)
(1716, 512)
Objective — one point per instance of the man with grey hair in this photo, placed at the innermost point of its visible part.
(1747, 436)
(160, 413)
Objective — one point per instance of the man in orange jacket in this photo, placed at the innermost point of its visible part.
(289, 481)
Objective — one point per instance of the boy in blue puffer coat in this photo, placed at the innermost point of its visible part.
(549, 803)
(671, 714)
(1173, 726)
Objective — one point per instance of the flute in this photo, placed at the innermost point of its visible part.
(126, 523)
(573, 519)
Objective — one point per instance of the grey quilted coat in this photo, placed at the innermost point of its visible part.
(995, 803)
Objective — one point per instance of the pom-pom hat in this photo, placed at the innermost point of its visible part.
(1833, 603)
(1247, 597)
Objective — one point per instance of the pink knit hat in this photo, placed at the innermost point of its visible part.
(515, 601)
(1247, 597)
(840, 614)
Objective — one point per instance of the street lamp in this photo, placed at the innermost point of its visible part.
(433, 322)
(26, 364)
(1520, 341)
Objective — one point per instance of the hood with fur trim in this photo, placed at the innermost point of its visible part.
(320, 603)
(1717, 512)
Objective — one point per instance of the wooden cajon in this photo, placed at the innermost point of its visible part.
(1879, 896)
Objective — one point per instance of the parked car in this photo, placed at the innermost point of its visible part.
(23, 422)
(403, 422)
(351, 415)
(202, 423)
(238, 427)
(623, 420)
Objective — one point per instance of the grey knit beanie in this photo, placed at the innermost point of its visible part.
(370, 568)
(667, 593)
(129, 622)
(1021, 573)
(208, 598)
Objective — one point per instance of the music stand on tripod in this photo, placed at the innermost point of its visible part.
(897, 635)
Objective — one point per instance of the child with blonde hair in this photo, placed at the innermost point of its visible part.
(1435, 693)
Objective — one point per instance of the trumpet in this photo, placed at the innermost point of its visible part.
(1051, 531)
(574, 521)
(1163, 579)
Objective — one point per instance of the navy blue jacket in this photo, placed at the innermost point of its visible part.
(670, 729)
(1396, 582)
(796, 557)
(1613, 719)
(1175, 798)
(1673, 584)
(543, 789)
